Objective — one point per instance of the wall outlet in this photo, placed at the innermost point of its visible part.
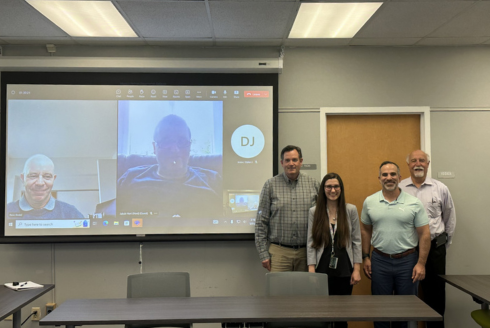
(50, 307)
(37, 316)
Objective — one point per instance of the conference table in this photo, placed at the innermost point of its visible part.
(12, 302)
(249, 309)
(477, 286)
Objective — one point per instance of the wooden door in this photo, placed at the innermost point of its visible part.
(356, 146)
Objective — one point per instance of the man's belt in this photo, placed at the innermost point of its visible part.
(395, 256)
(289, 246)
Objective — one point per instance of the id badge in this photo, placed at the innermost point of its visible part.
(333, 262)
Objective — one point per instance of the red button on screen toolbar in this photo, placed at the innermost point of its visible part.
(256, 94)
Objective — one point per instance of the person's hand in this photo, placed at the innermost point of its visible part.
(267, 264)
(355, 277)
(311, 268)
(418, 272)
(367, 267)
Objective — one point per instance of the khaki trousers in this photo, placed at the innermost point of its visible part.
(287, 259)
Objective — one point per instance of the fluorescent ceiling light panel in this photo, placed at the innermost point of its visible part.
(85, 18)
(331, 20)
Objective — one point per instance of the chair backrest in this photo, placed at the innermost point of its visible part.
(296, 283)
(159, 284)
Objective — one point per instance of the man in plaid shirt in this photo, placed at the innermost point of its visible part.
(282, 217)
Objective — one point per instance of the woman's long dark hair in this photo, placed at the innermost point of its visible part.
(321, 230)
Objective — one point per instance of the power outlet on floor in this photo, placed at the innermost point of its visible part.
(37, 316)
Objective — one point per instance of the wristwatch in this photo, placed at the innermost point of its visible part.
(364, 255)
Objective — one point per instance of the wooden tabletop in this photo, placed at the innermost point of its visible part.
(11, 300)
(240, 309)
(477, 286)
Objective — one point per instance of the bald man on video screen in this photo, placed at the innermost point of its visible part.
(171, 188)
(37, 202)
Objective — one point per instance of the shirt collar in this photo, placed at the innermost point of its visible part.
(428, 181)
(26, 207)
(400, 199)
(289, 180)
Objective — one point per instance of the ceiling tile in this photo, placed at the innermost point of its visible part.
(251, 20)
(18, 19)
(410, 19)
(383, 41)
(168, 19)
(472, 22)
(452, 41)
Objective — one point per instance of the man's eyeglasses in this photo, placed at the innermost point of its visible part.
(329, 187)
(181, 143)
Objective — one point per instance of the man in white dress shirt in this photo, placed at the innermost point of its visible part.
(438, 203)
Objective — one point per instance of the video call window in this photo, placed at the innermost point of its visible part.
(170, 159)
(152, 156)
(52, 144)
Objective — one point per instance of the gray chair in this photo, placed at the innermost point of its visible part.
(296, 284)
(159, 284)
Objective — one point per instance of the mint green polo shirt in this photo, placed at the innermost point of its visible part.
(394, 223)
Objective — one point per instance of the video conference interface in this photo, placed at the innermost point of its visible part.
(113, 159)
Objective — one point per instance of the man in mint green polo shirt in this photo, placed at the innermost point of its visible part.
(394, 223)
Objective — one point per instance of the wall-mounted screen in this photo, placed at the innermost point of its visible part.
(113, 157)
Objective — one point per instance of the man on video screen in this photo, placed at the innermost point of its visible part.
(171, 188)
(37, 202)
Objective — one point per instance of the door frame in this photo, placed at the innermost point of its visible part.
(423, 111)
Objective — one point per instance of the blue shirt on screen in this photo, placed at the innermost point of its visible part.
(54, 209)
(196, 195)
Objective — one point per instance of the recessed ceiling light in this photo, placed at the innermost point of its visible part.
(331, 20)
(85, 18)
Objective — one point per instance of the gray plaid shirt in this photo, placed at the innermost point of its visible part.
(282, 216)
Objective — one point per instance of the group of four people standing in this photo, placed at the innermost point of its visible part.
(302, 225)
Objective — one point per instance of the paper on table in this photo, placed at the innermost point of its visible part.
(23, 285)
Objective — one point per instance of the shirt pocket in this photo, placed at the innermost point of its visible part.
(434, 207)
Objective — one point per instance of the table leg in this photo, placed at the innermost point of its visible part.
(412, 324)
(484, 306)
(70, 326)
(16, 321)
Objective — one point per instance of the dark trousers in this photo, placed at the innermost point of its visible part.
(433, 287)
(339, 286)
(393, 276)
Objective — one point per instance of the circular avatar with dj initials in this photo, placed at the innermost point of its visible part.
(247, 141)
